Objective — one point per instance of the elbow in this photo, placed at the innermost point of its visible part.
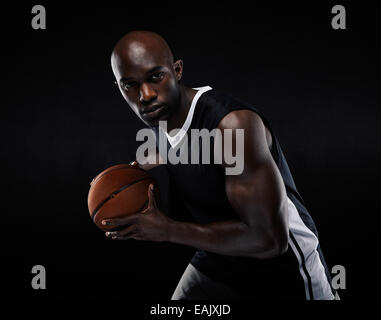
(279, 240)
(275, 245)
(272, 248)
(271, 237)
(278, 235)
(280, 247)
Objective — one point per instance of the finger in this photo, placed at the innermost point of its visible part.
(124, 234)
(118, 222)
(151, 197)
(127, 231)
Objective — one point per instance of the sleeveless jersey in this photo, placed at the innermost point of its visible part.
(199, 190)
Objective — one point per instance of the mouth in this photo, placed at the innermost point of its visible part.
(153, 113)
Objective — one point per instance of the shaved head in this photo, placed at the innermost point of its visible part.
(147, 76)
(138, 47)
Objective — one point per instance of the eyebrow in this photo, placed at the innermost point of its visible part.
(152, 70)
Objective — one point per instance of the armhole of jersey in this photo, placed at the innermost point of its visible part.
(273, 150)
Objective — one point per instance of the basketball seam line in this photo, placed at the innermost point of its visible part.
(113, 194)
(128, 166)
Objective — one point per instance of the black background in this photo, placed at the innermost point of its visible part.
(63, 121)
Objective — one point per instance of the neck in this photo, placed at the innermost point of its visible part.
(178, 118)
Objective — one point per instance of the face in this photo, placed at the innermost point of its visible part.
(149, 84)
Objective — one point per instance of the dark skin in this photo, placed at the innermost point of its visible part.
(258, 195)
(147, 77)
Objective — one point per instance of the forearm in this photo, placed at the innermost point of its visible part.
(232, 237)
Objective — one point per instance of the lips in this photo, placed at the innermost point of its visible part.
(153, 112)
(152, 109)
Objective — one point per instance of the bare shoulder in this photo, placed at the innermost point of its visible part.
(248, 120)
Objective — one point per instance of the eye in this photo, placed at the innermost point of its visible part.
(128, 85)
(157, 76)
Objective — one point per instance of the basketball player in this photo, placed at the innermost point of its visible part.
(254, 237)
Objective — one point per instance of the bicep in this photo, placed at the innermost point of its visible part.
(258, 195)
(259, 190)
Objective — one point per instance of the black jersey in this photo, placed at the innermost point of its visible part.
(299, 273)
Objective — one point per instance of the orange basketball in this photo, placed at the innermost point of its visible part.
(118, 191)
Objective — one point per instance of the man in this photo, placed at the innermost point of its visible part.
(253, 234)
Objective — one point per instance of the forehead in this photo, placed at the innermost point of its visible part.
(136, 59)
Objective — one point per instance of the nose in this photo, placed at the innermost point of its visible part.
(147, 93)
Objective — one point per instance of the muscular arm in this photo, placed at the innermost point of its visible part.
(257, 195)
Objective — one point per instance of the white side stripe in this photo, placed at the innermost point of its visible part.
(308, 243)
(291, 243)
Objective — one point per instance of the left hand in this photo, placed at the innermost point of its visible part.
(150, 224)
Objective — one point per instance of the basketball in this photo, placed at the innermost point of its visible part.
(119, 191)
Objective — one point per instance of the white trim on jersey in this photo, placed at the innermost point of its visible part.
(304, 243)
(175, 140)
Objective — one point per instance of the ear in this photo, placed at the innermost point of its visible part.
(178, 67)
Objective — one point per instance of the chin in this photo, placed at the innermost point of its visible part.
(155, 123)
